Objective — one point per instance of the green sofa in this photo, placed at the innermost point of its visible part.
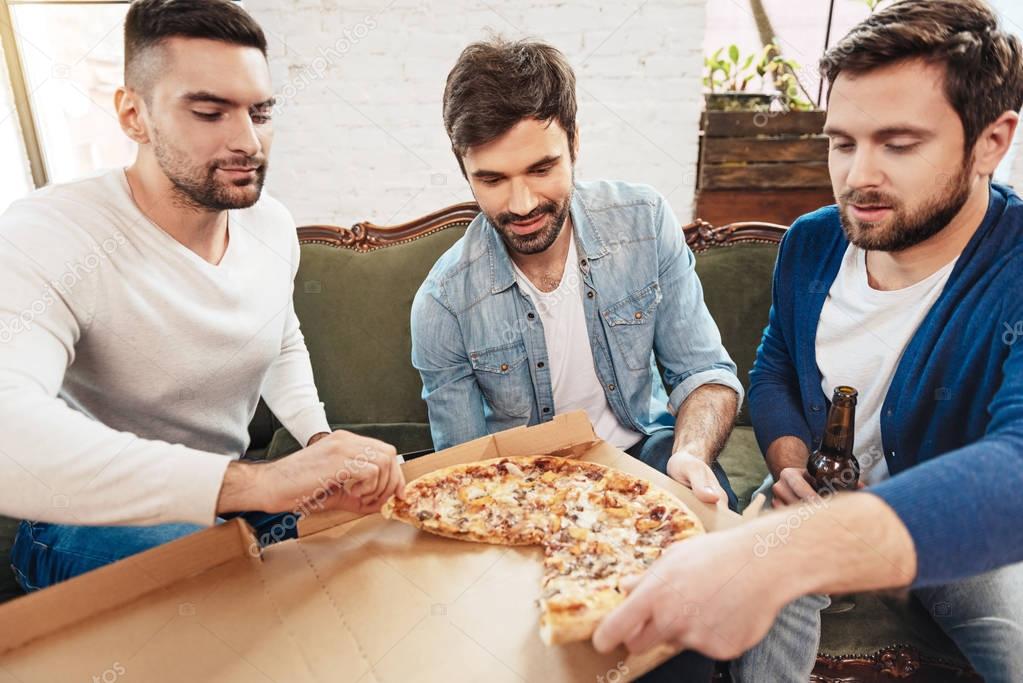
(353, 294)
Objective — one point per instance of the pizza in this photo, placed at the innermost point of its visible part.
(597, 525)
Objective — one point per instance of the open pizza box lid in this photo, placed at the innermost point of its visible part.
(355, 598)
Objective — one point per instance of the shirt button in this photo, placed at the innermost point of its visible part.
(583, 263)
(531, 316)
(589, 295)
(540, 364)
(815, 408)
(889, 412)
(546, 410)
(639, 315)
(504, 367)
(610, 387)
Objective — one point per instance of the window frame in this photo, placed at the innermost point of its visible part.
(22, 100)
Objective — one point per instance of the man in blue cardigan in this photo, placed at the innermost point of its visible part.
(910, 290)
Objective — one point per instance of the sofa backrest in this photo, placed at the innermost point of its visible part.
(353, 296)
(735, 264)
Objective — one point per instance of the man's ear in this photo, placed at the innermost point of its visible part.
(575, 144)
(130, 107)
(994, 143)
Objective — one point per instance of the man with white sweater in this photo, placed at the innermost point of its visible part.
(144, 311)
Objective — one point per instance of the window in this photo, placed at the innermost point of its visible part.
(15, 180)
(72, 59)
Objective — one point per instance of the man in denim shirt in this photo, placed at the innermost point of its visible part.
(565, 295)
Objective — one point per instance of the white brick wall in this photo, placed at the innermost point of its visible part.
(360, 136)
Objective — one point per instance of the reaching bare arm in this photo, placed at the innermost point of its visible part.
(719, 593)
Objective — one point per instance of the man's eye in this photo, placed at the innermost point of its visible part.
(842, 146)
(902, 149)
(207, 116)
(491, 181)
(542, 171)
(261, 119)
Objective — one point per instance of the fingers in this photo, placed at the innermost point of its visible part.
(385, 483)
(697, 475)
(792, 487)
(390, 482)
(399, 488)
(351, 503)
(798, 481)
(369, 470)
(628, 583)
(364, 462)
(390, 479)
(365, 473)
(627, 620)
(705, 485)
(649, 636)
(782, 495)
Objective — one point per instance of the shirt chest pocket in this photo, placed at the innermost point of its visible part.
(631, 325)
(503, 375)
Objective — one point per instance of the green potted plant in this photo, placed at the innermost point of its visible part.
(783, 76)
(729, 75)
(727, 78)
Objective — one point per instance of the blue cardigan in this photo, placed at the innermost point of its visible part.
(952, 421)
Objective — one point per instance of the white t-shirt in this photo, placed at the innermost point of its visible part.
(860, 339)
(569, 354)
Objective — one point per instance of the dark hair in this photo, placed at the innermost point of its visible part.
(496, 84)
(150, 22)
(983, 64)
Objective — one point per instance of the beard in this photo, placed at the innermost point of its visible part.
(539, 240)
(904, 228)
(196, 186)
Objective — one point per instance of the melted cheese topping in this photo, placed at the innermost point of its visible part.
(596, 524)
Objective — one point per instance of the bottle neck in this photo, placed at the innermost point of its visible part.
(838, 435)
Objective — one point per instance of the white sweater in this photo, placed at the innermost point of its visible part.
(130, 367)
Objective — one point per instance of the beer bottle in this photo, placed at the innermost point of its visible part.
(833, 467)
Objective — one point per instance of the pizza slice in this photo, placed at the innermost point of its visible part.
(597, 525)
(501, 501)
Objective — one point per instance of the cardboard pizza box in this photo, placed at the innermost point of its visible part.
(354, 598)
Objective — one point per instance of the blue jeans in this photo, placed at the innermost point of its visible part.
(45, 554)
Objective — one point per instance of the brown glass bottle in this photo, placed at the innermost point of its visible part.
(833, 467)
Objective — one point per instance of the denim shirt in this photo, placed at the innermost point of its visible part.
(479, 345)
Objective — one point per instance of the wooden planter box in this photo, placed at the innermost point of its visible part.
(757, 166)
